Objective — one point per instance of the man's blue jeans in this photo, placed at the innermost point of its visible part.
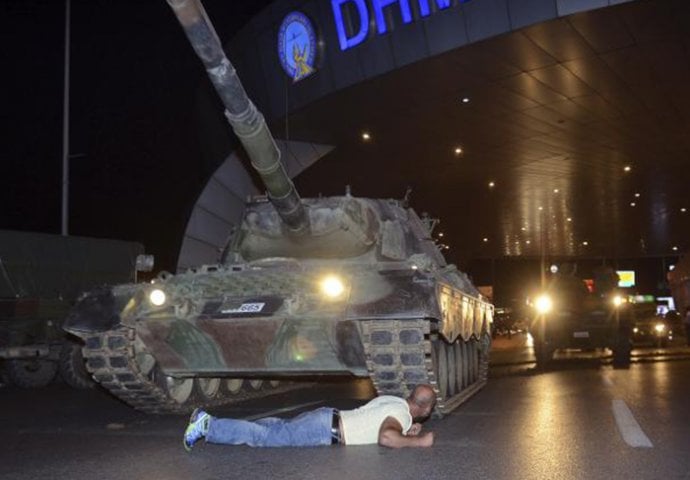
(306, 430)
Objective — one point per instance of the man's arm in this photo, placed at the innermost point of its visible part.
(390, 435)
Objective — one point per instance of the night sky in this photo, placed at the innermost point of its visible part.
(136, 164)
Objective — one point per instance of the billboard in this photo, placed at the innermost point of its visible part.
(626, 278)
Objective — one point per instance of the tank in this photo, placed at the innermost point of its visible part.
(305, 288)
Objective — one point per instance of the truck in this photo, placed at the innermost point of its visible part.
(567, 315)
(41, 277)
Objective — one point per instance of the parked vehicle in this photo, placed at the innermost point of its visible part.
(650, 328)
(41, 277)
(503, 322)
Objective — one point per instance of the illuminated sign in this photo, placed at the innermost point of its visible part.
(664, 304)
(352, 18)
(641, 299)
(297, 46)
(626, 278)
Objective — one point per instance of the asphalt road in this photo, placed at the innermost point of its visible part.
(580, 420)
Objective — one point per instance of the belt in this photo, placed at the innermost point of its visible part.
(335, 428)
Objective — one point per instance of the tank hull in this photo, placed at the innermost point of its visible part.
(273, 324)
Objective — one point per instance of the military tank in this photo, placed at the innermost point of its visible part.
(305, 288)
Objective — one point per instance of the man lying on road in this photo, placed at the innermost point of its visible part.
(387, 420)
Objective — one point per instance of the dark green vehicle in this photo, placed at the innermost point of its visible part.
(566, 315)
(306, 287)
(33, 346)
(41, 277)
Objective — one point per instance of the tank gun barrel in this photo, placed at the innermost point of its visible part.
(246, 120)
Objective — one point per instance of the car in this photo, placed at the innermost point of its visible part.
(674, 321)
(503, 322)
(652, 329)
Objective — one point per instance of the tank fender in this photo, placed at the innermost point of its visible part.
(462, 315)
(96, 312)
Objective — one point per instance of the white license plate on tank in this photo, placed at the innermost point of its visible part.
(245, 308)
(581, 334)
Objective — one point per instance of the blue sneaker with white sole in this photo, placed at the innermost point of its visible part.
(197, 428)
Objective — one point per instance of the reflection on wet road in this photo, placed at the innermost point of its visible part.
(580, 419)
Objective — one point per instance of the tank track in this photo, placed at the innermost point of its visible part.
(110, 358)
(400, 355)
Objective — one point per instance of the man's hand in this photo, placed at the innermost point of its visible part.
(390, 435)
(414, 430)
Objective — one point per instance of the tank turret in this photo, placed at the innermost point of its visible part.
(336, 285)
(247, 122)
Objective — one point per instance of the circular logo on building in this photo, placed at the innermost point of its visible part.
(297, 46)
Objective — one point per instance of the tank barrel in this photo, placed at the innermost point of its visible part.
(247, 122)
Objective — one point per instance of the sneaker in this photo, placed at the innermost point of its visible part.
(197, 428)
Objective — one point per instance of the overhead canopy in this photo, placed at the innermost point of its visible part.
(574, 137)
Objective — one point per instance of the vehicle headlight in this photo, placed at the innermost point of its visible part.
(543, 304)
(157, 297)
(618, 301)
(660, 328)
(332, 287)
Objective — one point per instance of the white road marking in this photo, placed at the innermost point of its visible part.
(607, 381)
(630, 430)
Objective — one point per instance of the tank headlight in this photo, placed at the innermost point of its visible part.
(543, 304)
(332, 286)
(618, 301)
(157, 297)
(660, 328)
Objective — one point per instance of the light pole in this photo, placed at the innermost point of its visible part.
(65, 126)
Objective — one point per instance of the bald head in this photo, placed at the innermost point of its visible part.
(423, 395)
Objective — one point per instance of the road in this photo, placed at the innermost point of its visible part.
(581, 419)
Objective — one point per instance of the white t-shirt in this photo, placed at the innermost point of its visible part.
(361, 426)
